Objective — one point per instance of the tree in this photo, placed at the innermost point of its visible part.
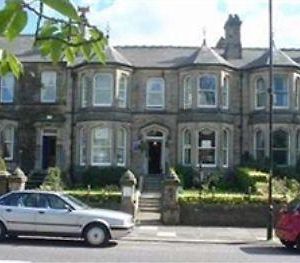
(62, 37)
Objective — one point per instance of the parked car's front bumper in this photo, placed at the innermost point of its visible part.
(120, 231)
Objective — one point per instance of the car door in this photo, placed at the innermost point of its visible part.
(55, 216)
(19, 212)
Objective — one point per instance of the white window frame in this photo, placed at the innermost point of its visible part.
(287, 147)
(225, 92)
(297, 92)
(109, 146)
(199, 90)
(187, 92)
(110, 99)
(256, 148)
(122, 100)
(82, 146)
(162, 93)
(285, 78)
(297, 145)
(225, 148)
(9, 141)
(257, 93)
(207, 148)
(45, 87)
(186, 147)
(84, 91)
(121, 147)
(3, 85)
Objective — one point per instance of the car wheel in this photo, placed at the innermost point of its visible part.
(96, 235)
(288, 244)
(2, 231)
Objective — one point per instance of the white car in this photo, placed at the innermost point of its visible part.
(57, 214)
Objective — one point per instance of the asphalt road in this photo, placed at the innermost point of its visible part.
(40, 250)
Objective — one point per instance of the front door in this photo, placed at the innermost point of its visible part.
(49, 151)
(154, 157)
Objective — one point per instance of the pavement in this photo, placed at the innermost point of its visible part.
(198, 234)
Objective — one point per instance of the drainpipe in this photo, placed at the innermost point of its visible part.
(241, 116)
(73, 93)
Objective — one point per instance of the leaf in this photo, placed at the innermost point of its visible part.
(16, 25)
(63, 7)
(15, 65)
(70, 55)
(47, 30)
(5, 16)
(99, 51)
(56, 50)
(86, 51)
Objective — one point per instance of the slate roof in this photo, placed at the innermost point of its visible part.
(167, 56)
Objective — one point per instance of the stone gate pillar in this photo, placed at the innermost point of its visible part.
(128, 183)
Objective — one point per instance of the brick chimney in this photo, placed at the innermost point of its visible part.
(233, 46)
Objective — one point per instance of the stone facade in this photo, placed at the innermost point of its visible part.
(210, 95)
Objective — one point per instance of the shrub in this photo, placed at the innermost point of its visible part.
(53, 180)
(244, 181)
(98, 177)
(2, 165)
(186, 175)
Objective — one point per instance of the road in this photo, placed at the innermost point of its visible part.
(39, 250)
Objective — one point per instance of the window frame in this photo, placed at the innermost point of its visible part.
(108, 146)
(83, 136)
(225, 106)
(121, 147)
(199, 90)
(257, 148)
(162, 93)
(10, 142)
(215, 148)
(122, 103)
(109, 102)
(274, 149)
(11, 89)
(286, 82)
(84, 91)
(45, 87)
(187, 147)
(225, 148)
(187, 92)
(260, 93)
(297, 92)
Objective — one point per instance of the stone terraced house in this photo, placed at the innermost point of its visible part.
(151, 107)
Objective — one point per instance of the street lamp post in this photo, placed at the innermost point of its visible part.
(270, 91)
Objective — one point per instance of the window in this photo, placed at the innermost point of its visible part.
(280, 91)
(55, 202)
(12, 199)
(259, 145)
(83, 146)
(48, 93)
(101, 146)
(187, 148)
(280, 147)
(225, 147)
(121, 147)
(207, 148)
(298, 146)
(122, 91)
(7, 88)
(260, 93)
(187, 93)
(297, 93)
(8, 139)
(155, 97)
(225, 93)
(103, 90)
(207, 91)
(84, 91)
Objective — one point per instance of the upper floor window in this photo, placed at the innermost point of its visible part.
(48, 92)
(122, 91)
(103, 90)
(207, 148)
(101, 146)
(84, 91)
(207, 91)
(225, 147)
(225, 93)
(121, 147)
(280, 91)
(297, 92)
(83, 146)
(187, 148)
(8, 142)
(155, 97)
(187, 93)
(281, 147)
(260, 93)
(259, 144)
(7, 88)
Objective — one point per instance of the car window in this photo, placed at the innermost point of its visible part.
(42, 201)
(55, 202)
(11, 200)
(29, 200)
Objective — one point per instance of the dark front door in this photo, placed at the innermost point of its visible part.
(154, 161)
(49, 151)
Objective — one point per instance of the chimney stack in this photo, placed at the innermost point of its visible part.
(233, 46)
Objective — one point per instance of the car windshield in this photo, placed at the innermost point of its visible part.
(77, 204)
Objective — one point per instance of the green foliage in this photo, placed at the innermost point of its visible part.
(186, 175)
(2, 164)
(102, 176)
(53, 180)
(61, 39)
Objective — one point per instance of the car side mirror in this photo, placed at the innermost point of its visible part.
(69, 208)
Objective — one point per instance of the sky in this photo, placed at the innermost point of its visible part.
(182, 22)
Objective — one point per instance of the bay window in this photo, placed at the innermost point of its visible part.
(187, 93)
(101, 146)
(103, 90)
(187, 148)
(207, 147)
(207, 91)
